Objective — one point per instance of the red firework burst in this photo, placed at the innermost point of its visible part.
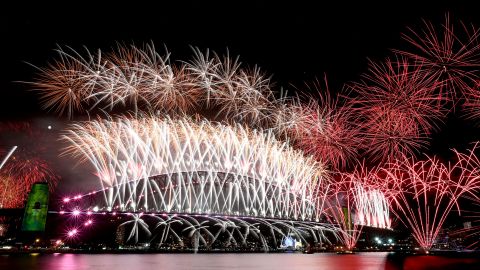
(326, 128)
(12, 194)
(397, 86)
(423, 193)
(390, 134)
(354, 200)
(447, 54)
(398, 106)
(19, 173)
(340, 205)
(470, 162)
(27, 168)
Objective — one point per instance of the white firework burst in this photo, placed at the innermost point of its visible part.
(182, 166)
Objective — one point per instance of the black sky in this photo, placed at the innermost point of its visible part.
(295, 41)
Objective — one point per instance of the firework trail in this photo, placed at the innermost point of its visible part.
(5, 159)
(423, 193)
(471, 163)
(471, 104)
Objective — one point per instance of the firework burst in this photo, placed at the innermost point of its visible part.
(423, 193)
(356, 200)
(397, 86)
(398, 107)
(142, 79)
(390, 134)
(326, 129)
(447, 53)
(220, 168)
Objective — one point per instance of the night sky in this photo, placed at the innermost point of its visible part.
(294, 42)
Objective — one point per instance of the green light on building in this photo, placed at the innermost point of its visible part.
(36, 209)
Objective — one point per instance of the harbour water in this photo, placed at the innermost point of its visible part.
(282, 261)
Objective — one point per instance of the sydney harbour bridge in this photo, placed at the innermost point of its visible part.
(204, 181)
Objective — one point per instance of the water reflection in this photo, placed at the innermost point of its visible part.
(363, 261)
(437, 262)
